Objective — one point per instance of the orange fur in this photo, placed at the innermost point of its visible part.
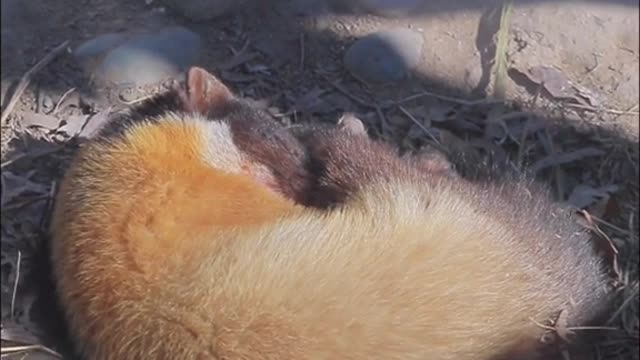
(143, 209)
(166, 247)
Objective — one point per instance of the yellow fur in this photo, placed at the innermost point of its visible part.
(159, 255)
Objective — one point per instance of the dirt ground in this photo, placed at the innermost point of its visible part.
(585, 145)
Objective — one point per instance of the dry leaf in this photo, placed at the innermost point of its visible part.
(587, 95)
(556, 83)
(40, 120)
(565, 158)
(553, 80)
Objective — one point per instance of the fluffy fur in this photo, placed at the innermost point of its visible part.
(171, 241)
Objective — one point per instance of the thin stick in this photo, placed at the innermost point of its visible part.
(415, 121)
(15, 284)
(449, 98)
(10, 161)
(301, 51)
(26, 78)
(20, 348)
(552, 328)
(610, 111)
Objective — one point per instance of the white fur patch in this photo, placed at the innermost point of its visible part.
(219, 149)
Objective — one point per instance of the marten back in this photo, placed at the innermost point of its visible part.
(172, 241)
(544, 237)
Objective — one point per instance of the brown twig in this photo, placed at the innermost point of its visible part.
(449, 98)
(26, 78)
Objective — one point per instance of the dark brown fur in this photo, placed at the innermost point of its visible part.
(254, 131)
(346, 162)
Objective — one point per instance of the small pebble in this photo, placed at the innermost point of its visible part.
(384, 56)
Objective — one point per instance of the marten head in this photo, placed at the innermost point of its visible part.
(264, 142)
(296, 167)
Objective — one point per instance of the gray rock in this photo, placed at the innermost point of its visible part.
(384, 56)
(200, 10)
(99, 45)
(145, 58)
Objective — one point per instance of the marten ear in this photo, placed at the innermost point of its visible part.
(205, 92)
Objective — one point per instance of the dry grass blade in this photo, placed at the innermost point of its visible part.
(630, 112)
(64, 96)
(15, 283)
(502, 47)
(449, 98)
(7, 350)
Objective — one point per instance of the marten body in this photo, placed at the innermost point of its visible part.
(176, 239)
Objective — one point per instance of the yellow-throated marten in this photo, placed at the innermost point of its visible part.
(197, 228)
